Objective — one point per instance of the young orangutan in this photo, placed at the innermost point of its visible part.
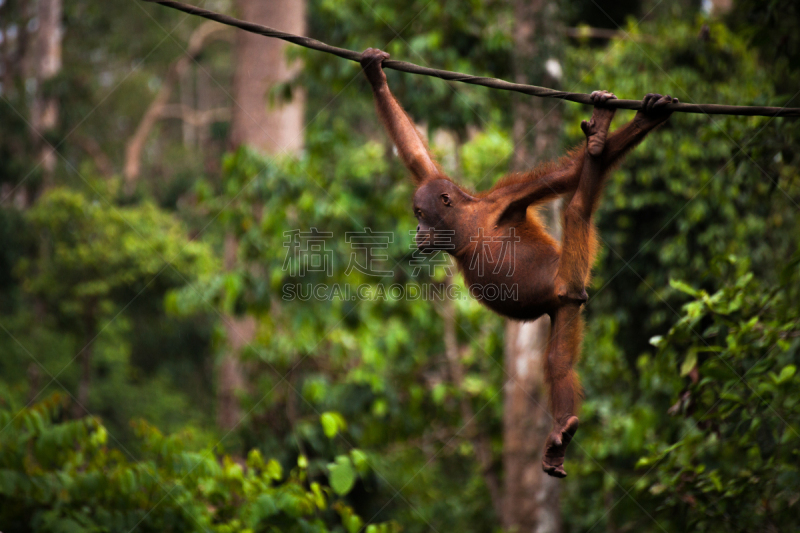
(548, 278)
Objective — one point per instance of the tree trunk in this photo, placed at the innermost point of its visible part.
(720, 8)
(239, 332)
(531, 496)
(47, 62)
(271, 125)
(272, 128)
(531, 500)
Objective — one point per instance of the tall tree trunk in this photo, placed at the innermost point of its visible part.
(269, 124)
(239, 332)
(720, 8)
(531, 497)
(273, 127)
(44, 108)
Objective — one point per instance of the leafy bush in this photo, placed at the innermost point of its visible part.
(735, 458)
(62, 475)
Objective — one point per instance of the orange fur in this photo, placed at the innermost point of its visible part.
(542, 169)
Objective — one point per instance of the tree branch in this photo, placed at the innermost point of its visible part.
(93, 149)
(133, 148)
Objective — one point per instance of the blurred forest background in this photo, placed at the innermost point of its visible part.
(153, 377)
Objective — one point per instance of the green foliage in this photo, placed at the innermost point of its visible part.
(472, 36)
(735, 455)
(770, 27)
(486, 156)
(362, 387)
(93, 250)
(693, 197)
(332, 423)
(97, 272)
(66, 476)
(342, 475)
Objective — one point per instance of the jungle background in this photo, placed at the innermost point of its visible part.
(153, 377)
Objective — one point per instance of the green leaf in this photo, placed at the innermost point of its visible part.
(342, 475)
(786, 374)
(332, 422)
(731, 397)
(359, 460)
(656, 340)
(264, 508)
(439, 393)
(379, 407)
(274, 470)
(353, 523)
(689, 363)
(319, 496)
(683, 287)
(715, 479)
(329, 425)
(255, 460)
(473, 385)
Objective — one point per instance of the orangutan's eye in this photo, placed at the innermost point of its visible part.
(446, 199)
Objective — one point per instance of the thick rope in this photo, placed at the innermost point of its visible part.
(494, 83)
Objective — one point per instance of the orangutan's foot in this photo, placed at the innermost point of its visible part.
(556, 446)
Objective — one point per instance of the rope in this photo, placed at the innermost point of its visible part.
(494, 83)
